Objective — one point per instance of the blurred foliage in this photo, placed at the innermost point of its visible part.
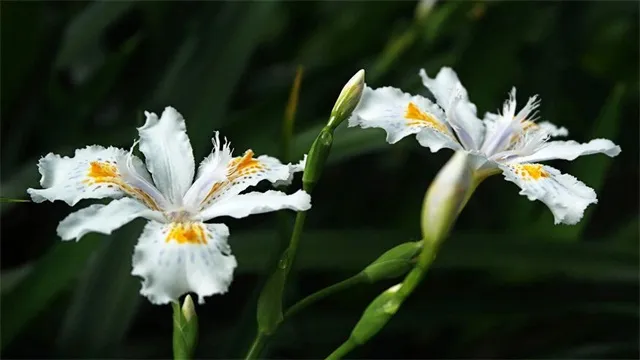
(507, 284)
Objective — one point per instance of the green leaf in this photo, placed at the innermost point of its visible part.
(82, 36)
(10, 278)
(107, 295)
(8, 200)
(216, 70)
(50, 275)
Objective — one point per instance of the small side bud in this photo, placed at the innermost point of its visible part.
(393, 263)
(347, 100)
(445, 197)
(318, 155)
(377, 314)
(188, 308)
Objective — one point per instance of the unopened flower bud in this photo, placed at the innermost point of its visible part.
(188, 308)
(393, 263)
(377, 314)
(347, 100)
(314, 163)
(445, 197)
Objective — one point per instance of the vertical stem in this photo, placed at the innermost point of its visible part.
(282, 270)
(290, 253)
(342, 350)
(256, 347)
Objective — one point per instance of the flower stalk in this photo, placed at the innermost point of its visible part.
(269, 311)
(445, 198)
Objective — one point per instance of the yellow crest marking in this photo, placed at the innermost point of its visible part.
(106, 172)
(418, 117)
(186, 233)
(531, 171)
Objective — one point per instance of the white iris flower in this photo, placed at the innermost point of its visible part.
(177, 252)
(510, 142)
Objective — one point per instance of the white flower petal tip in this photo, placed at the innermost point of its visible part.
(571, 150)
(168, 153)
(175, 259)
(399, 114)
(299, 167)
(566, 196)
(239, 173)
(293, 168)
(92, 173)
(257, 203)
(552, 129)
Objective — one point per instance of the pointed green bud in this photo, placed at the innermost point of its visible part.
(393, 263)
(188, 309)
(347, 100)
(446, 196)
(185, 329)
(377, 314)
(318, 155)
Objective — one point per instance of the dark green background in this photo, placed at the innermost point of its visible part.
(507, 284)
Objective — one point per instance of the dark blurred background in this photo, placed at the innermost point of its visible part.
(507, 283)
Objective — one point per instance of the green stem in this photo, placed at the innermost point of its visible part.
(342, 350)
(256, 347)
(361, 278)
(290, 253)
(180, 350)
(281, 272)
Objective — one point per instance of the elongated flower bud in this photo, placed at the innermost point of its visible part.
(377, 314)
(347, 100)
(445, 197)
(188, 309)
(318, 155)
(393, 263)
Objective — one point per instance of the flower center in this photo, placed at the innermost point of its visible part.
(186, 233)
(179, 215)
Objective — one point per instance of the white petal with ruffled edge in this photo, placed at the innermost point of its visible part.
(566, 196)
(244, 205)
(104, 219)
(245, 171)
(168, 153)
(401, 115)
(570, 150)
(93, 173)
(293, 168)
(174, 259)
(446, 87)
(552, 129)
